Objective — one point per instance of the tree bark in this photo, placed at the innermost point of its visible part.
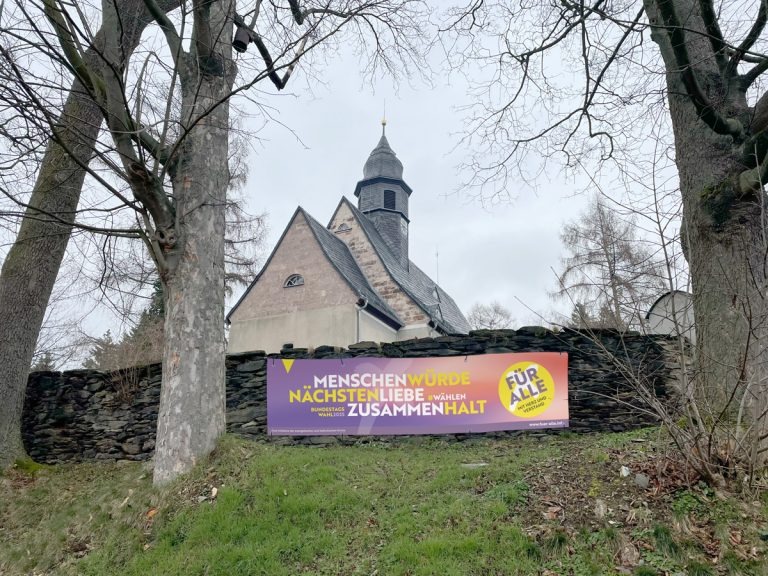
(192, 400)
(32, 264)
(724, 236)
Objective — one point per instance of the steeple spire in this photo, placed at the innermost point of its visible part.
(383, 196)
(383, 161)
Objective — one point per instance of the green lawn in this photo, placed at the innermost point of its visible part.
(522, 506)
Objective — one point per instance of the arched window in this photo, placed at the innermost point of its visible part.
(294, 280)
(389, 199)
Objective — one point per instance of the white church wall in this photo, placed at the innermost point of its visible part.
(374, 330)
(297, 253)
(333, 326)
(416, 331)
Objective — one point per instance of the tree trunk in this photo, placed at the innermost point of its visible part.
(193, 401)
(724, 237)
(33, 262)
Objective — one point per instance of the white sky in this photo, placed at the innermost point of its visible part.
(505, 252)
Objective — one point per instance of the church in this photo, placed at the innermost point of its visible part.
(350, 281)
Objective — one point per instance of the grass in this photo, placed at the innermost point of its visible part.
(410, 508)
(665, 541)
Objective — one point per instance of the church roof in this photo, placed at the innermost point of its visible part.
(421, 288)
(342, 259)
(383, 162)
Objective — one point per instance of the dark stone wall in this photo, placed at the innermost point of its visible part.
(87, 414)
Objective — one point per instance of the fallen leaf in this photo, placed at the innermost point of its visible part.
(552, 512)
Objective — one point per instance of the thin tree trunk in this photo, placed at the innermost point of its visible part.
(32, 264)
(192, 400)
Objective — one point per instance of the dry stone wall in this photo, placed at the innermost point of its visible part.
(87, 414)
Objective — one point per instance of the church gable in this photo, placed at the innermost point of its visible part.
(345, 225)
(297, 276)
(349, 281)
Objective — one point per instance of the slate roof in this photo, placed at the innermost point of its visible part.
(435, 301)
(342, 259)
(383, 162)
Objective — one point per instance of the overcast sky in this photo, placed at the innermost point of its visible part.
(505, 252)
(312, 150)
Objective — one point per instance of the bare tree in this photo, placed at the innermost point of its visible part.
(176, 166)
(584, 317)
(612, 272)
(56, 161)
(491, 316)
(581, 83)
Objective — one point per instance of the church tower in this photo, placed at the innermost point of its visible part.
(382, 195)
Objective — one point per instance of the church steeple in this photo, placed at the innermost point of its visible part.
(383, 196)
(383, 162)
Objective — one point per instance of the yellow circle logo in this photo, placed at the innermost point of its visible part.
(526, 389)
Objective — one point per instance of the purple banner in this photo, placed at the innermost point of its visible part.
(382, 396)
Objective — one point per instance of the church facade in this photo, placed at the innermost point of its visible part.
(349, 281)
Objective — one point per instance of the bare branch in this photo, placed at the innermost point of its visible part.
(169, 30)
(749, 41)
(704, 108)
(715, 35)
(753, 74)
(298, 15)
(71, 52)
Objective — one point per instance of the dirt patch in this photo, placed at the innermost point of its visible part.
(647, 506)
